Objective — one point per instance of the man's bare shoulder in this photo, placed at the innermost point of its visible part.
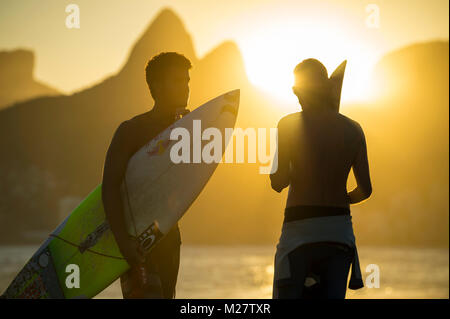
(138, 120)
(352, 129)
(140, 117)
(288, 118)
(130, 126)
(349, 123)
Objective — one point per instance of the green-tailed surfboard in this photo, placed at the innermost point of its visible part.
(154, 200)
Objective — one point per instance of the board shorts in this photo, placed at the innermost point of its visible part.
(161, 268)
(318, 271)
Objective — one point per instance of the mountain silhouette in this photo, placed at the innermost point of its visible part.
(407, 134)
(420, 64)
(17, 82)
(54, 147)
(407, 129)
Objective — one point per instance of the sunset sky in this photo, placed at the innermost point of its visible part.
(55, 148)
(273, 35)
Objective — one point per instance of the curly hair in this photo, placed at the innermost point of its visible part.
(157, 66)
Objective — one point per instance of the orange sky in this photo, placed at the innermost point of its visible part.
(273, 35)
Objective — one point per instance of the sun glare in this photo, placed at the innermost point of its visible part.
(272, 54)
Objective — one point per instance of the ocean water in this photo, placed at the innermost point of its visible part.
(247, 271)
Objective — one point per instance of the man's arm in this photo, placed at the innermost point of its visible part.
(280, 179)
(361, 171)
(114, 170)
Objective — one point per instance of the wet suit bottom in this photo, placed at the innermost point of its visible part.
(327, 263)
(161, 268)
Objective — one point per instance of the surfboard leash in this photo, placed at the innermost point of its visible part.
(89, 250)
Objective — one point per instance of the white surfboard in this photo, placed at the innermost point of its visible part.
(156, 191)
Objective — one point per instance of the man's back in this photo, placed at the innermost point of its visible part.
(316, 151)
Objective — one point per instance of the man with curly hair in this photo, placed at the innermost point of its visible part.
(155, 276)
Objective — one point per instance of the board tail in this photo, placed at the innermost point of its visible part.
(337, 79)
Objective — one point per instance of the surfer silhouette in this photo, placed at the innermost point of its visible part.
(153, 276)
(316, 149)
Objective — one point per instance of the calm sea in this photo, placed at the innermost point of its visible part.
(247, 271)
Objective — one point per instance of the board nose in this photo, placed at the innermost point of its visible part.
(233, 97)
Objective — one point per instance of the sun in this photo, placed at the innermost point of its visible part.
(271, 55)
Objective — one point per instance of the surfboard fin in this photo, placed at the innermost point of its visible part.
(93, 237)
